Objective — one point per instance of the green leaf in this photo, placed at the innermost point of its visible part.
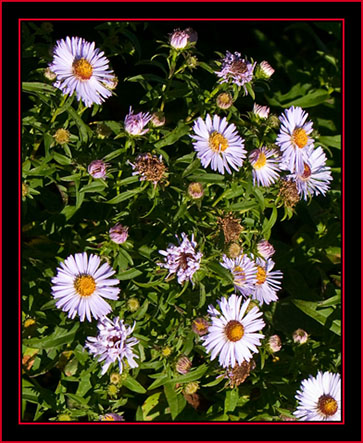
(175, 401)
(173, 136)
(312, 98)
(84, 131)
(333, 141)
(129, 274)
(269, 223)
(206, 177)
(320, 315)
(124, 196)
(59, 338)
(133, 385)
(231, 400)
(38, 87)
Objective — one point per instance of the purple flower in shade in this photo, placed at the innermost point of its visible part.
(113, 343)
(236, 69)
(218, 144)
(294, 139)
(97, 169)
(81, 284)
(111, 416)
(265, 166)
(316, 177)
(267, 282)
(118, 233)
(182, 260)
(83, 69)
(265, 249)
(244, 272)
(180, 39)
(135, 123)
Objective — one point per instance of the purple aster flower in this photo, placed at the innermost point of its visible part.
(233, 333)
(236, 69)
(294, 139)
(217, 143)
(267, 282)
(244, 272)
(316, 177)
(266, 165)
(81, 68)
(81, 284)
(135, 123)
(111, 416)
(113, 343)
(182, 260)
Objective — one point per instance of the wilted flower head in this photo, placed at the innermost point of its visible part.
(113, 343)
(234, 250)
(236, 69)
(238, 374)
(224, 100)
(265, 249)
(119, 233)
(149, 167)
(157, 119)
(135, 123)
(289, 193)
(200, 326)
(61, 136)
(180, 39)
(182, 260)
(83, 69)
(274, 343)
(195, 190)
(300, 336)
(183, 365)
(97, 169)
(261, 111)
(191, 388)
(230, 226)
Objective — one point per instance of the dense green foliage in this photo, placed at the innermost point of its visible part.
(65, 211)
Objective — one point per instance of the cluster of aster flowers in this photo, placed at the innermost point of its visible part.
(233, 331)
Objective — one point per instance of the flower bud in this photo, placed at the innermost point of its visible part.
(265, 249)
(97, 169)
(118, 233)
(234, 250)
(133, 304)
(183, 365)
(195, 190)
(224, 100)
(158, 119)
(191, 388)
(300, 336)
(274, 343)
(61, 136)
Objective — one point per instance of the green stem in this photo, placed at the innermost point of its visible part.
(59, 108)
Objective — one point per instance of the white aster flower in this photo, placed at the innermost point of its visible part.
(266, 166)
(81, 68)
(316, 177)
(182, 260)
(319, 398)
(294, 139)
(244, 272)
(233, 333)
(267, 282)
(217, 143)
(113, 343)
(81, 284)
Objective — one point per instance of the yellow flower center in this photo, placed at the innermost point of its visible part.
(261, 275)
(234, 330)
(260, 162)
(327, 405)
(299, 137)
(217, 142)
(239, 275)
(108, 417)
(82, 69)
(85, 285)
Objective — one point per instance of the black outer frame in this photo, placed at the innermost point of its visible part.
(350, 12)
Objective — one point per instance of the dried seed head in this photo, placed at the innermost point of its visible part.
(150, 168)
(231, 227)
(289, 193)
(238, 374)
